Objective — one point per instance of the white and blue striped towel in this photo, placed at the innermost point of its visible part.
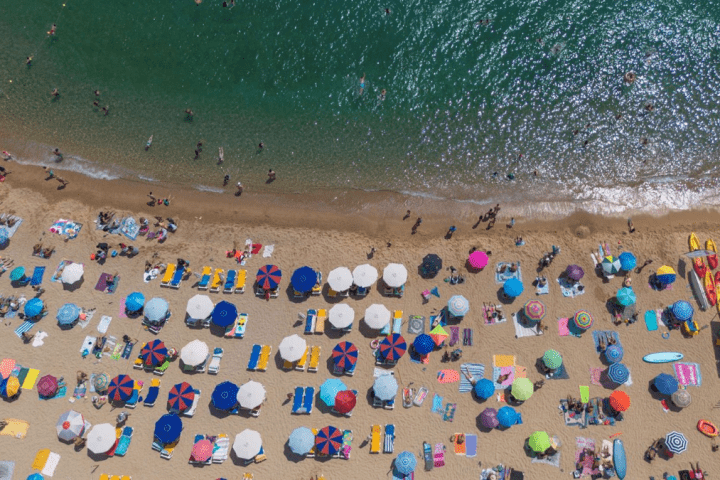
(24, 327)
(475, 370)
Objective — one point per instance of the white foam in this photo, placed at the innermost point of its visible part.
(205, 188)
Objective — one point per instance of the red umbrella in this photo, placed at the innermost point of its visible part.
(121, 388)
(202, 450)
(47, 386)
(393, 347)
(345, 401)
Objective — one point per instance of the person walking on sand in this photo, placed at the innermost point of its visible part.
(407, 215)
(239, 189)
(226, 179)
(417, 224)
(62, 180)
(152, 198)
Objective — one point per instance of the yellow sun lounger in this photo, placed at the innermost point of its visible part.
(375, 439)
(240, 284)
(169, 272)
(320, 321)
(217, 282)
(314, 359)
(264, 357)
(300, 365)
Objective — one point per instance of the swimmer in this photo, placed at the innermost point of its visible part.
(226, 179)
(629, 77)
(362, 83)
(28, 61)
(382, 94)
(586, 143)
(618, 116)
(240, 189)
(97, 93)
(57, 153)
(387, 11)
(576, 132)
(53, 29)
(55, 93)
(198, 2)
(271, 175)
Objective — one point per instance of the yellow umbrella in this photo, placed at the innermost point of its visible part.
(11, 387)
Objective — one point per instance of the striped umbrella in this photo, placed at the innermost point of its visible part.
(301, 441)
(101, 381)
(627, 261)
(247, 444)
(666, 275)
(47, 386)
(329, 440)
(478, 259)
(168, 428)
(68, 313)
(682, 310)
(70, 425)
(458, 306)
(513, 287)
(345, 401)
(666, 384)
(534, 310)
(626, 296)
(33, 307)
(583, 320)
(618, 373)
(303, 279)
(488, 418)
(156, 309)
(681, 398)
(405, 463)
(484, 388)
(345, 355)
(385, 387)
(224, 397)
(202, 450)
(619, 401)
(423, 344)
(9, 387)
(121, 388)
(268, 277)
(676, 442)
(134, 302)
(17, 273)
(181, 397)
(154, 353)
(438, 334)
(224, 314)
(393, 347)
(552, 359)
(614, 354)
(329, 390)
(611, 265)
(507, 416)
(575, 272)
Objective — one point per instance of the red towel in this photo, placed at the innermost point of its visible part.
(256, 248)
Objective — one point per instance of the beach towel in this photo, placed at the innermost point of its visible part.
(127, 350)
(604, 334)
(563, 329)
(61, 265)
(503, 360)
(416, 324)
(117, 351)
(11, 230)
(448, 376)
(6, 470)
(66, 227)
(88, 317)
(103, 285)
(520, 371)
(475, 370)
(22, 374)
(269, 249)
(130, 228)
(6, 367)
(15, 428)
(581, 443)
(570, 289)
(40, 459)
(454, 335)
(584, 393)
(439, 455)
(122, 313)
(651, 320)
(24, 327)
(507, 274)
(553, 460)
(80, 391)
(460, 448)
(39, 339)
(437, 404)
(51, 464)
(498, 372)
(37, 276)
(449, 414)
(470, 445)
(688, 373)
(104, 324)
(523, 331)
(31, 378)
(571, 417)
(467, 337)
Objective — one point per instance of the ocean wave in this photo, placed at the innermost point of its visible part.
(205, 188)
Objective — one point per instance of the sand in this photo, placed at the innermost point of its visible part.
(306, 233)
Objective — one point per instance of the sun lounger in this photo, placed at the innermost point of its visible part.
(217, 280)
(169, 272)
(320, 322)
(177, 278)
(241, 325)
(300, 365)
(309, 399)
(198, 438)
(310, 321)
(214, 366)
(124, 442)
(167, 451)
(397, 324)
(264, 357)
(362, 291)
(132, 402)
(162, 368)
(375, 439)
(389, 438)
(153, 393)
(389, 404)
(230, 281)
(314, 359)
(220, 448)
(240, 283)
(347, 444)
(205, 277)
(254, 357)
(297, 406)
(193, 408)
(201, 368)
(317, 289)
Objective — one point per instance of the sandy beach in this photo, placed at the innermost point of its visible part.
(324, 232)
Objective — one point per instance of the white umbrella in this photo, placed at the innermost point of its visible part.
(200, 307)
(251, 395)
(247, 444)
(341, 315)
(377, 316)
(365, 275)
(340, 279)
(70, 425)
(395, 275)
(101, 438)
(292, 348)
(194, 353)
(72, 273)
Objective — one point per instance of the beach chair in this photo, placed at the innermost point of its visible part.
(300, 364)
(389, 446)
(162, 368)
(362, 291)
(389, 404)
(351, 369)
(255, 412)
(132, 401)
(240, 283)
(297, 294)
(230, 281)
(297, 406)
(310, 321)
(214, 366)
(193, 408)
(288, 365)
(177, 278)
(167, 451)
(314, 359)
(308, 400)
(205, 277)
(313, 450)
(124, 441)
(201, 368)
(168, 276)
(221, 448)
(153, 393)
(320, 321)
(264, 357)
(217, 280)
(332, 293)
(254, 357)
(260, 457)
(375, 439)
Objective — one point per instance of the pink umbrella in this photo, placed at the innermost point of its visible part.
(47, 386)
(202, 450)
(478, 259)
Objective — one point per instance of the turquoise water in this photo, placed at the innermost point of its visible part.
(465, 98)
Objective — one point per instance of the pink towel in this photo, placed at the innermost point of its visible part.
(595, 375)
(122, 308)
(563, 329)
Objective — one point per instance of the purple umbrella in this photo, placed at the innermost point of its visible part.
(575, 272)
(488, 418)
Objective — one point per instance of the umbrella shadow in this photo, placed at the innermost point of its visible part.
(504, 299)
(326, 295)
(74, 286)
(292, 456)
(656, 395)
(216, 412)
(97, 457)
(320, 405)
(279, 362)
(334, 333)
(366, 331)
(290, 292)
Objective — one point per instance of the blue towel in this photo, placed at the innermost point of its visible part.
(37, 276)
(437, 405)
(651, 320)
(24, 327)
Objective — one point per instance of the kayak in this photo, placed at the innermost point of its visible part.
(710, 289)
(717, 282)
(712, 259)
(698, 263)
(708, 428)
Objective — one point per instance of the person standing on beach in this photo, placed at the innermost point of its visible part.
(55, 93)
(239, 189)
(417, 224)
(271, 175)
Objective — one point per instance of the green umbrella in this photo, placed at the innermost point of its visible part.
(539, 442)
(552, 359)
(522, 389)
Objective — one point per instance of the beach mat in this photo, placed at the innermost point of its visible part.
(597, 334)
(448, 376)
(30, 379)
(581, 443)
(22, 374)
(460, 448)
(563, 329)
(51, 464)
(416, 325)
(437, 404)
(6, 470)
(688, 373)
(15, 428)
(507, 274)
(476, 370)
(130, 228)
(572, 418)
(449, 414)
(24, 327)
(503, 360)
(37, 276)
(499, 371)
(523, 331)
(651, 320)
(470, 445)
(584, 393)
(104, 324)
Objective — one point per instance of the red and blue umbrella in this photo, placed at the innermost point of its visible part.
(303, 279)
(393, 347)
(345, 355)
(181, 397)
(329, 440)
(154, 353)
(423, 344)
(121, 388)
(268, 277)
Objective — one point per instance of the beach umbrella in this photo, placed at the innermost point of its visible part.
(682, 310)
(552, 359)
(626, 296)
(619, 401)
(676, 442)
(627, 261)
(534, 310)
(194, 353)
(168, 428)
(329, 440)
(488, 418)
(181, 397)
(513, 287)
(198, 307)
(377, 316)
(423, 344)
(329, 390)
(33, 307)
(247, 444)
(68, 313)
(438, 334)
(666, 275)
(539, 442)
(224, 314)
(156, 310)
(35, 476)
(9, 387)
(395, 275)
(507, 416)
(101, 438)
(618, 373)
(72, 273)
(611, 265)
(666, 384)
(431, 265)
(365, 275)
(341, 315)
(458, 306)
(268, 277)
(614, 354)
(522, 389)
(345, 401)
(583, 320)
(154, 353)
(202, 450)
(575, 272)
(340, 279)
(393, 347)
(478, 259)
(101, 381)
(292, 348)
(345, 355)
(224, 397)
(251, 395)
(301, 441)
(405, 463)
(47, 386)
(121, 388)
(303, 279)
(17, 273)
(484, 388)
(134, 302)
(385, 387)
(681, 398)
(70, 425)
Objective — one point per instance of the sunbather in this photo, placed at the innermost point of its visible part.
(37, 248)
(79, 443)
(81, 376)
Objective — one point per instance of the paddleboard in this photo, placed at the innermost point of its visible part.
(699, 290)
(619, 458)
(663, 357)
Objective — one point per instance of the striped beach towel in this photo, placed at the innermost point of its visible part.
(688, 373)
(24, 327)
(523, 331)
(474, 370)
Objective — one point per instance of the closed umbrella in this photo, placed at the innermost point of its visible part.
(303, 279)
(47, 386)
(101, 438)
(575, 272)
(329, 390)
(666, 384)
(224, 314)
(198, 307)
(666, 275)
(340, 279)
(68, 313)
(614, 354)
(484, 388)
(168, 428)
(583, 320)
(431, 265)
(181, 397)
(17, 273)
(70, 425)
(539, 442)
(682, 310)
(534, 310)
(156, 310)
(626, 296)
(329, 440)
(101, 382)
(9, 387)
(393, 347)
(365, 276)
(676, 442)
(478, 259)
(268, 277)
(251, 395)
(154, 353)
(72, 273)
(385, 387)
(134, 302)
(681, 398)
(395, 275)
(224, 397)
(618, 373)
(345, 355)
(292, 348)
(507, 416)
(377, 316)
(202, 450)
(345, 401)
(458, 306)
(552, 359)
(488, 418)
(121, 388)
(522, 389)
(247, 444)
(611, 265)
(619, 401)
(438, 334)
(194, 353)
(513, 287)
(423, 344)
(33, 307)
(405, 463)
(341, 315)
(301, 441)
(627, 261)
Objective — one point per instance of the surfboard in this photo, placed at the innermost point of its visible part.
(663, 357)
(619, 458)
(699, 290)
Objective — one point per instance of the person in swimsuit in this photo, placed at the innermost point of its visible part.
(362, 84)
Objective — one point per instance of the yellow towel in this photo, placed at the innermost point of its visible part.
(15, 428)
(41, 459)
(503, 360)
(30, 379)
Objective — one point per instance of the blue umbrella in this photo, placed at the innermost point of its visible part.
(626, 296)
(618, 373)
(224, 314)
(330, 389)
(35, 476)
(156, 309)
(484, 388)
(507, 416)
(424, 344)
(168, 428)
(303, 279)
(33, 307)
(224, 397)
(385, 387)
(68, 313)
(405, 463)
(666, 384)
(682, 310)
(627, 261)
(614, 354)
(301, 441)
(17, 274)
(134, 302)
(513, 287)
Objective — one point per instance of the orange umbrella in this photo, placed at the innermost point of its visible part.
(619, 401)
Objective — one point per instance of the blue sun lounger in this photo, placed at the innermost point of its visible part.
(151, 396)
(177, 278)
(124, 441)
(254, 357)
(389, 438)
(309, 399)
(230, 281)
(298, 400)
(37, 276)
(310, 322)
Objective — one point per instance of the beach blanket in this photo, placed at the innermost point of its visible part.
(594, 417)
(7, 365)
(503, 360)
(688, 373)
(570, 289)
(498, 372)
(88, 317)
(22, 374)
(454, 336)
(571, 417)
(651, 320)
(80, 391)
(416, 324)
(437, 404)
(449, 414)
(56, 275)
(30, 379)
(103, 285)
(15, 428)
(523, 331)
(51, 464)
(88, 344)
(439, 455)
(470, 445)
(488, 315)
(122, 313)
(104, 324)
(520, 371)
(127, 350)
(24, 327)
(475, 370)
(553, 460)
(448, 376)
(269, 249)
(130, 228)
(507, 274)
(66, 227)
(10, 231)
(117, 351)
(584, 393)
(604, 334)
(581, 443)
(598, 376)
(467, 337)
(6, 470)
(563, 329)
(37, 276)
(39, 339)
(460, 448)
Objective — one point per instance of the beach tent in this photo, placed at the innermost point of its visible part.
(33, 307)
(488, 418)
(393, 347)
(458, 306)
(552, 359)
(345, 355)
(292, 348)
(121, 388)
(340, 279)
(626, 296)
(423, 344)
(156, 310)
(619, 401)
(72, 273)
(224, 314)
(377, 316)
(627, 261)
(303, 279)
(329, 440)
(345, 401)
(539, 442)
(199, 307)
(134, 302)
(341, 316)
(618, 373)
(224, 396)
(575, 272)
(168, 428)
(385, 387)
(329, 390)
(181, 397)
(247, 444)
(101, 438)
(430, 266)
(513, 287)
(522, 389)
(405, 463)
(507, 416)
(478, 259)
(395, 275)
(268, 277)
(301, 441)
(251, 395)
(70, 425)
(154, 353)
(534, 310)
(365, 275)
(484, 388)
(67, 314)
(194, 353)
(666, 384)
